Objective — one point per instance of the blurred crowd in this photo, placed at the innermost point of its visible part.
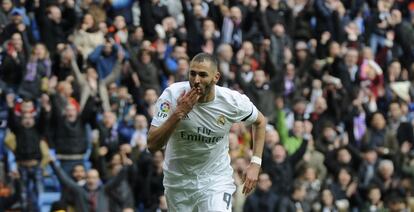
(79, 80)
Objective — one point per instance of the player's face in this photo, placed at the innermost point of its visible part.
(203, 77)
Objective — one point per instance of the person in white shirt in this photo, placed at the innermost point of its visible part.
(139, 137)
(193, 121)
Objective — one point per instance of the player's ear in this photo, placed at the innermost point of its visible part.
(217, 76)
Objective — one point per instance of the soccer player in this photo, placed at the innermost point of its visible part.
(193, 121)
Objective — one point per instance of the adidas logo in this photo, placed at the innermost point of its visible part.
(186, 117)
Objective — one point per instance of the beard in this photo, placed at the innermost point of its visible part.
(204, 89)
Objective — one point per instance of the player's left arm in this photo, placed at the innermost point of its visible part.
(252, 172)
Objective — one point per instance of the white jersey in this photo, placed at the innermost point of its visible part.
(196, 155)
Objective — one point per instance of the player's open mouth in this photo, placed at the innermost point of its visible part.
(199, 90)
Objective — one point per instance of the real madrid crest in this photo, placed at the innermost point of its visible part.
(221, 120)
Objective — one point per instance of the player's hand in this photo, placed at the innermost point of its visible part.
(186, 101)
(250, 178)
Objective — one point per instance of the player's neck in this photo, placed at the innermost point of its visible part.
(209, 97)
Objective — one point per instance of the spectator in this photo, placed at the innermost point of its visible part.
(146, 106)
(172, 56)
(380, 22)
(271, 139)
(118, 30)
(404, 36)
(121, 104)
(152, 13)
(69, 124)
(303, 59)
(279, 45)
(396, 203)
(93, 89)
(290, 142)
(343, 156)
(355, 123)
(87, 37)
(295, 201)
(276, 11)
(367, 169)
(7, 200)
(109, 140)
(139, 136)
(182, 70)
(18, 25)
(309, 177)
(93, 195)
(153, 187)
(4, 109)
(225, 56)
(259, 90)
(55, 25)
(148, 73)
(326, 203)
(386, 178)
(319, 116)
(327, 13)
(13, 66)
(202, 31)
(121, 8)
(61, 68)
(344, 188)
(38, 70)
(135, 39)
(78, 174)
(313, 158)
(404, 157)
(262, 199)
(105, 57)
(379, 137)
(329, 140)
(120, 197)
(5, 12)
(374, 202)
(29, 133)
(232, 32)
(398, 124)
(281, 167)
(350, 78)
(301, 27)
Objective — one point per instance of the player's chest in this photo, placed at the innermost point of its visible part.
(206, 122)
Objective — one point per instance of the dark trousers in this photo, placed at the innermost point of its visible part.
(31, 180)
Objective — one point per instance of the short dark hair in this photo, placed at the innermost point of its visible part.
(203, 57)
(77, 165)
(297, 185)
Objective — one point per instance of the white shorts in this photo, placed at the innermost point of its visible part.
(182, 200)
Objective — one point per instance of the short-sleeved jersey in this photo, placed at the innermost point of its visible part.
(196, 154)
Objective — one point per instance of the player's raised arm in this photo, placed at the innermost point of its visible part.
(158, 136)
(252, 172)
